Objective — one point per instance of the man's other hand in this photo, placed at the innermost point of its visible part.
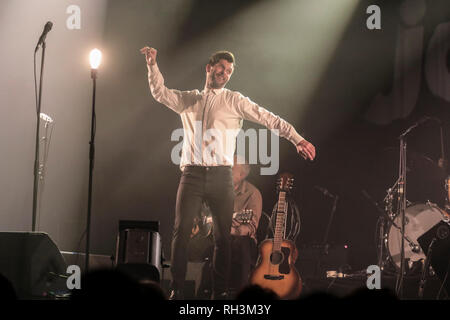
(306, 150)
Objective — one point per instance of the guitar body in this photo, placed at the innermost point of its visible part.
(276, 270)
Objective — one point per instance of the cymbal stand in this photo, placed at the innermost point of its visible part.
(402, 209)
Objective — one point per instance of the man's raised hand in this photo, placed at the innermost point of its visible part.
(150, 55)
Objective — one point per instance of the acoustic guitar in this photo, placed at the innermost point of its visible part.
(275, 268)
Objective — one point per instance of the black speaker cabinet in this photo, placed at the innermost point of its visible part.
(138, 250)
(32, 263)
(440, 253)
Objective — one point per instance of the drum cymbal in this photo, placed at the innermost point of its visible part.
(417, 162)
(424, 178)
(421, 163)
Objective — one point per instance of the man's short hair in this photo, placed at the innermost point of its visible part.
(227, 55)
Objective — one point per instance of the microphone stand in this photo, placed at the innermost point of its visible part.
(36, 156)
(325, 246)
(333, 210)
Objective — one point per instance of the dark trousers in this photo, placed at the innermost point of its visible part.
(243, 259)
(215, 186)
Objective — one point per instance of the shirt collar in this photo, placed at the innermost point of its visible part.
(214, 91)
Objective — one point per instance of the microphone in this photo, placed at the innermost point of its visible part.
(48, 26)
(324, 191)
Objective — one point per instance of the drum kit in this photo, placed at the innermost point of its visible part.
(420, 216)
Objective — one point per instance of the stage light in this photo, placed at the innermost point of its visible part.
(95, 58)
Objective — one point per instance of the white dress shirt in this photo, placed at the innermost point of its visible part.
(212, 118)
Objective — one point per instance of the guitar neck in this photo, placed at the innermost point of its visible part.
(280, 220)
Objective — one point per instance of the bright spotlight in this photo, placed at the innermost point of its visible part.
(95, 58)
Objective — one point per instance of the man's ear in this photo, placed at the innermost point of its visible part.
(208, 68)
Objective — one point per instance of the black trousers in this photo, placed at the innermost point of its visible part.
(215, 186)
(244, 253)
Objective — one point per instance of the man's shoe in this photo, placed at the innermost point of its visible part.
(176, 295)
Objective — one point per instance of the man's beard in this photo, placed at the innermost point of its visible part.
(215, 84)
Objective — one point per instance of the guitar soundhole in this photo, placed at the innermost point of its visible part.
(276, 257)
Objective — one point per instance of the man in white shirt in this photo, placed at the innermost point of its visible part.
(211, 121)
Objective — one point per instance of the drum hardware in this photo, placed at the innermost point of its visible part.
(385, 215)
(422, 217)
(385, 224)
(426, 269)
(447, 198)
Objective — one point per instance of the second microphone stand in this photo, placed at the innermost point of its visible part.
(325, 246)
(36, 155)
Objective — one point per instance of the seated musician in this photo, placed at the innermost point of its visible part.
(247, 212)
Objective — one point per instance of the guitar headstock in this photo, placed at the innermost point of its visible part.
(285, 182)
(245, 216)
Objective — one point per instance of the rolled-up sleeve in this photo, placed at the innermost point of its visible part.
(251, 111)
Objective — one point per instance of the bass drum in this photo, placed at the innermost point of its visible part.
(419, 219)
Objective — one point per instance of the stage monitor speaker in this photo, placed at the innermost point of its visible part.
(138, 250)
(32, 263)
(440, 253)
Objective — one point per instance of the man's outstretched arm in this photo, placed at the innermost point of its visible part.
(253, 112)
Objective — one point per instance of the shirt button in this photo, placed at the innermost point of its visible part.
(207, 168)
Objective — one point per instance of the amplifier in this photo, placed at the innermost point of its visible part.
(138, 251)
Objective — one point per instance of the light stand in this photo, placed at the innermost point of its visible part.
(95, 59)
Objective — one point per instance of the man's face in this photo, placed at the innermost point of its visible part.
(219, 74)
